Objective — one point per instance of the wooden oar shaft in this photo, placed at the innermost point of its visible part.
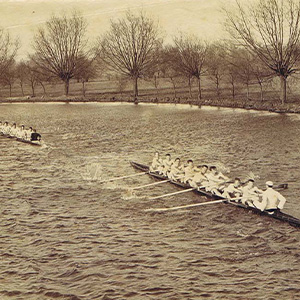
(186, 206)
(123, 177)
(150, 184)
(171, 194)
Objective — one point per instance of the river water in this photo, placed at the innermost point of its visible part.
(66, 237)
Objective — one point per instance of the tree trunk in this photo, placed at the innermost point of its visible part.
(44, 89)
(190, 87)
(247, 84)
(261, 91)
(174, 88)
(217, 86)
(233, 90)
(32, 89)
(21, 84)
(67, 84)
(83, 89)
(283, 89)
(199, 89)
(135, 87)
(9, 90)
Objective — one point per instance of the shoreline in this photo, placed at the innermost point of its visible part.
(266, 106)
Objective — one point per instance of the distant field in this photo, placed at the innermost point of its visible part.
(107, 89)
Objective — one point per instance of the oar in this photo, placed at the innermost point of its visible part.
(281, 186)
(191, 205)
(171, 194)
(150, 184)
(123, 177)
(185, 206)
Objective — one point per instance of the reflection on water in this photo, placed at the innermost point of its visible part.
(65, 236)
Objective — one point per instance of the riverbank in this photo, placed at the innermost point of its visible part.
(271, 106)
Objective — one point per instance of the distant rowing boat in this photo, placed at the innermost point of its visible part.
(276, 215)
(34, 143)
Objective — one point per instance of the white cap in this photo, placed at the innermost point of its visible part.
(269, 183)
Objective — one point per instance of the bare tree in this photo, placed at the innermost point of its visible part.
(8, 50)
(192, 54)
(21, 74)
(129, 47)
(8, 76)
(88, 69)
(271, 30)
(216, 65)
(60, 46)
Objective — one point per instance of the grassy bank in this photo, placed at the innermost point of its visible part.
(113, 91)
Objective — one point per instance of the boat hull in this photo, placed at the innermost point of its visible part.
(34, 143)
(276, 215)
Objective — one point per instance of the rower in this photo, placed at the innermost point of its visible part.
(271, 199)
(233, 190)
(22, 133)
(28, 133)
(1, 127)
(156, 163)
(200, 177)
(35, 136)
(6, 128)
(176, 171)
(251, 194)
(216, 181)
(166, 165)
(13, 130)
(189, 171)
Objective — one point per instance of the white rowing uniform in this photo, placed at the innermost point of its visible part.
(189, 173)
(176, 172)
(271, 200)
(251, 194)
(156, 163)
(231, 191)
(28, 134)
(199, 179)
(166, 163)
(214, 181)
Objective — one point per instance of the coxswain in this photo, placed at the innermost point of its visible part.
(200, 177)
(176, 171)
(35, 136)
(251, 194)
(189, 171)
(233, 190)
(156, 163)
(271, 199)
(166, 165)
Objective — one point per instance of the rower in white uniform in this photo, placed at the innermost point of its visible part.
(176, 171)
(271, 199)
(200, 177)
(28, 133)
(14, 130)
(251, 194)
(216, 181)
(233, 190)
(156, 163)
(189, 172)
(166, 165)
(22, 133)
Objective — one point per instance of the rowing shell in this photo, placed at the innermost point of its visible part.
(276, 215)
(34, 143)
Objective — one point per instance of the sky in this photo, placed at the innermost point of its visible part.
(201, 17)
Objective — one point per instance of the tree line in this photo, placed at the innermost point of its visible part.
(264, 44)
